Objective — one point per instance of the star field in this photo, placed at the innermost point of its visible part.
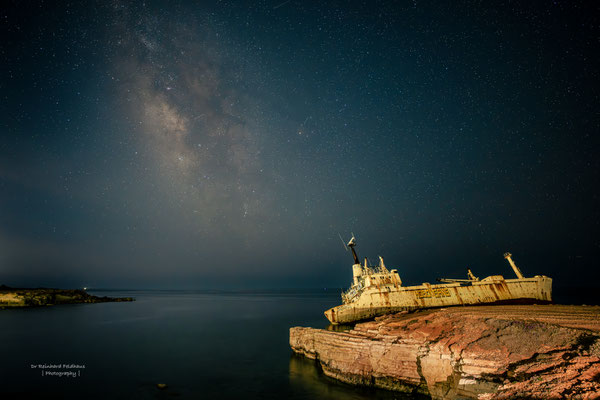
(226, 144)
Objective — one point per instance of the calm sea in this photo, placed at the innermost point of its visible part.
(229, 345)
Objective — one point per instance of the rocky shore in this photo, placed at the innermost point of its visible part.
(484, 352)
(20, 297)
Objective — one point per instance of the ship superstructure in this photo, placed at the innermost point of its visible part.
(376, 291)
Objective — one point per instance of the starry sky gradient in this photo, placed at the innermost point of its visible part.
(224, 144)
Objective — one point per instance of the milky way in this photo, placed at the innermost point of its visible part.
(221, 144)
(186, 111)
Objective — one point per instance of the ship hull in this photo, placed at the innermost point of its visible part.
(379, 300)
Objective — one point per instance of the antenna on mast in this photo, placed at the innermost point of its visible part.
(343, 243)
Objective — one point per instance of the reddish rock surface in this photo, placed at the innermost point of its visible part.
(484, 352)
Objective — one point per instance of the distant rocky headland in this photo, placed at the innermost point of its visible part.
(483, 352)
(25, 297)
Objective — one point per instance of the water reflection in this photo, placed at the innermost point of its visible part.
(307, 377)
(340, 327)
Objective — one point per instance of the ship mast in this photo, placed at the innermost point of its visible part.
(357, 269)
(351, 244)
(512, 264)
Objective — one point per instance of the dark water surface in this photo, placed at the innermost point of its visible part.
(230, 345)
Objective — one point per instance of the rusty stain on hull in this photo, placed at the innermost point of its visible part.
(377, 291)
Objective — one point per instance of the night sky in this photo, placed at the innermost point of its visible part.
(226, 144)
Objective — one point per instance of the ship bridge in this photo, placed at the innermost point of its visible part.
(366, 276)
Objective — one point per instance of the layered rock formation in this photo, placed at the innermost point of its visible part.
(484, 352)
(11, 297)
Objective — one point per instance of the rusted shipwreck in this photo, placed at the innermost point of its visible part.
(377, 291)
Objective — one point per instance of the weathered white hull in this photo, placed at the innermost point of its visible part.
(378, 300)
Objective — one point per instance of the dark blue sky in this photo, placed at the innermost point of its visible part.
(226, 144)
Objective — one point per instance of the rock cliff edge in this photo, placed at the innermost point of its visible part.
(484, 352)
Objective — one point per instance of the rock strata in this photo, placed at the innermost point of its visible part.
(12, 297)
(497, 352)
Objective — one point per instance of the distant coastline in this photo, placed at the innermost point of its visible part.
(37, 297)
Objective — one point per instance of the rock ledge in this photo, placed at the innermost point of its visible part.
(484, 352)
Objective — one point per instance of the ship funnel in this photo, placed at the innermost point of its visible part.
(512, 264)
(357, 272)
